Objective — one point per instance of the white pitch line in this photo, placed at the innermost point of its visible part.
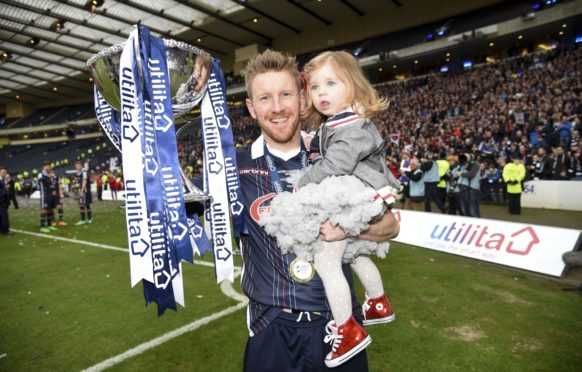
(96, 245)
(104, 246)
(166, 337)
(225, 287)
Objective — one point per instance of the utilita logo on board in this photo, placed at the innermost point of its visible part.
(519, 242)
(472, 239)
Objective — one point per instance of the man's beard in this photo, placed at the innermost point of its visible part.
(280, 135)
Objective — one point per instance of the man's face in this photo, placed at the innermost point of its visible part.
(78, 166)
(2, 173)
(275, 105)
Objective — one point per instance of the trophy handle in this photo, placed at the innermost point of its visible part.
(191, 193)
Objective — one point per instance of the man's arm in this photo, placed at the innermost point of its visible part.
(83, 183)
(380, 231)
(60, 189)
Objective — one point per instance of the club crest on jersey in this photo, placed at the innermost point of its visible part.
(261, 205)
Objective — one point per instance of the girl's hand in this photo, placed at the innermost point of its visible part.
(308, 139)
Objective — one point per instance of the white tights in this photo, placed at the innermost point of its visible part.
(328, 263)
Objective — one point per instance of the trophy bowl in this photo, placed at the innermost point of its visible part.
(185, 62)
(188, 68)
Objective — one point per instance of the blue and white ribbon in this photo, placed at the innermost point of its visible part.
(158, 163)
(220, 174)
(158, 88)
(132, 129)
(217, 95)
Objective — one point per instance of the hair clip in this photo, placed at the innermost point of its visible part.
(303, 77)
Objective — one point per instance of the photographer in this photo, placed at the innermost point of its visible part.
(453, 191)
(469, 185)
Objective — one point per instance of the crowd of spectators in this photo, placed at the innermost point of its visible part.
(530, 106)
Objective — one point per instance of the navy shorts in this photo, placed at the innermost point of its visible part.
(45, 200)
(55, 200)
(290, 346)
(85, 199)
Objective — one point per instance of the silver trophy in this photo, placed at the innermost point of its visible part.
(189, 69)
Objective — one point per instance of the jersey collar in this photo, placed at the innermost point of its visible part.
(258, 149)
(342, 119)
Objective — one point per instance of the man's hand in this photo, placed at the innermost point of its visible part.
(331, 233)
(385, 229)
(201, 72)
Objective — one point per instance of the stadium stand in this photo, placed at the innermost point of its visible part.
(39, 117)
(72, 113)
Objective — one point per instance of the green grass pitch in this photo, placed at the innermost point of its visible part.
(68, 306)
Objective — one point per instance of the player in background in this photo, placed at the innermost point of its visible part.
(84, 194)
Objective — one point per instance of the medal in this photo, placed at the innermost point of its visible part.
(301, 271)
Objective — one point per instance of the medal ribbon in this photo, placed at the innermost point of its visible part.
(276, 182)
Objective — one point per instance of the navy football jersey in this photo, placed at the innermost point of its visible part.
(44, 187)
(54, 184)
(83, 175)
(265, 277)
(44, 183)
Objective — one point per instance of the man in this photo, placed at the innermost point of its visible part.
(443, 167)
(113, 185)
(469, 186)
(56, 200)
(560, 165)
(99, 183)
(84, 194)
(544, 167)
(492, 177)
(416, 187)
(405, 167)
(286, 320)
(431, 177)
(44, 188)
(11, 187)
(4, 203)
(453, 191)
(513, 174)
(27, 186)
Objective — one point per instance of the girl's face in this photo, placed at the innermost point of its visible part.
(328, 93)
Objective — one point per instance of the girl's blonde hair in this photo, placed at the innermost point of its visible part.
(362, 96)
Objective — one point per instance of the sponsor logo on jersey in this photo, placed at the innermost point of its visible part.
(261, 205)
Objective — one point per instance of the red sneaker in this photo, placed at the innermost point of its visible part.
(346, 341)
(377, 311)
